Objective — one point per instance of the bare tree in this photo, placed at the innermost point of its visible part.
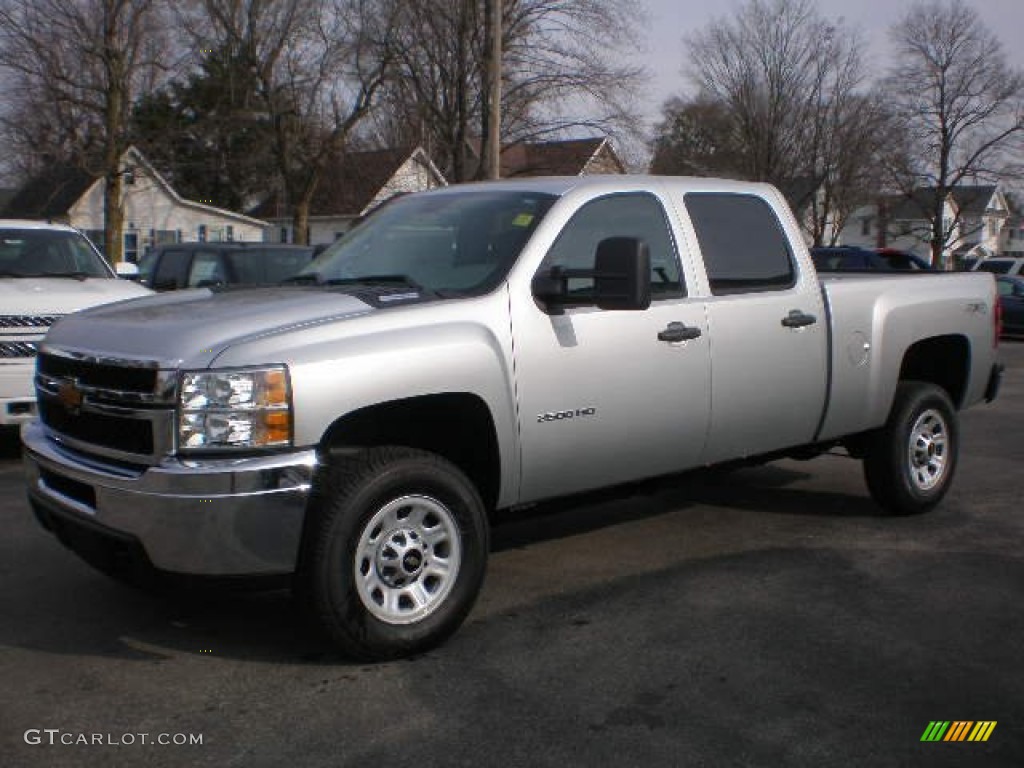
(563, 70)
(763, 67)
(961, 103)
(81, 64)
(318, 67)
(779, 97)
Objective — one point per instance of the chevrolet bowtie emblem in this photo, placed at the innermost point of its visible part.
(70, 396)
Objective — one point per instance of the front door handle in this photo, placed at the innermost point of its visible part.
(678, 332)
(797, 319)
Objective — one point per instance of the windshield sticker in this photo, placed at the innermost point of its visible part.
(522, 220)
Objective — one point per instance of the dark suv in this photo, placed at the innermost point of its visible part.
(195, 265)
(842, 258)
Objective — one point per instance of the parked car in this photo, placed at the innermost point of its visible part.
(46, 271)
(1011, 299)
(196, 265)
(852, 258)
(484, 347)
(1001, 265)
(903, 260)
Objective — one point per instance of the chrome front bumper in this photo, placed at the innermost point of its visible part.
(211, 517)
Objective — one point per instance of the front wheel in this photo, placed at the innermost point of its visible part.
(909, 463)
(395, 552)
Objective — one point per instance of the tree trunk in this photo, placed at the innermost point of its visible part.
(113, 218)
(300, 222)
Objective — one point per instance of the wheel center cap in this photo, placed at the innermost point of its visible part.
(412, 561)
(400, 558)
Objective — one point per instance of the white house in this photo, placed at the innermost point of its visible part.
(154, 213)
(352, 186)
(976, 216)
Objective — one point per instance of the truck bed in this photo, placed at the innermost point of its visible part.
(875, 318)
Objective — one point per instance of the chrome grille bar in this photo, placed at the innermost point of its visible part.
(10, 350)
(28, 321)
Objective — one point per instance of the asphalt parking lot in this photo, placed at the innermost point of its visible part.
(763, 617)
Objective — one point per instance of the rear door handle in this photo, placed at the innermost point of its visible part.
(679, 332)
(797, 319)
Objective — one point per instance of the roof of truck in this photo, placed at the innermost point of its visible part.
(560, 185)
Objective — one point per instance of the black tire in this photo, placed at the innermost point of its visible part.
(428, 542)
(910, 462)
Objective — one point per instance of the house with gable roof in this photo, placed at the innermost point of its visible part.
(976, 214)
(154, 213)
(352, 186)
(569, 157)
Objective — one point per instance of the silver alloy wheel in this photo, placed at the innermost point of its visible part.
(407, 559)
(927, 449)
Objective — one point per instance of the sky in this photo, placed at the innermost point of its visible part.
(670, 20)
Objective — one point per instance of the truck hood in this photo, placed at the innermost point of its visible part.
(62, 295)
(194, 326)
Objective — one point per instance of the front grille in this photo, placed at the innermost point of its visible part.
(100, 375)
(28, 321)
(121, 434)
(10, 350)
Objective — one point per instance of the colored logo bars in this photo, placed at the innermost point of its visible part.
(958, 730)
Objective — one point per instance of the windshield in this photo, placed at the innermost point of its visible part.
(48, 253)
(457, 242)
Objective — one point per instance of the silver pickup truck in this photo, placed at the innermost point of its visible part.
(482, 347)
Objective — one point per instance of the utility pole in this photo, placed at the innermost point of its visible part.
(494, 120)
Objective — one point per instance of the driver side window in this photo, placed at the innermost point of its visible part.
(638, 215)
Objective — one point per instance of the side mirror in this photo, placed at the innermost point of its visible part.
(622, 274)
(127, 270)
(621, 279)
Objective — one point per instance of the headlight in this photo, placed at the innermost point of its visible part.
(245, 408)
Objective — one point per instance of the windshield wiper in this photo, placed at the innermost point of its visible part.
(76, 275)
(311, 277)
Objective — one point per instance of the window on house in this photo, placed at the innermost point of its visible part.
(229, 233)
(202, 233)
(131, 247)
(865, 226)
(284, 235)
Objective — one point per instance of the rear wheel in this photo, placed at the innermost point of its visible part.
(909, 463)
(395, 552)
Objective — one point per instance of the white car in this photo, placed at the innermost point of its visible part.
(1001, 265)
(46, 271)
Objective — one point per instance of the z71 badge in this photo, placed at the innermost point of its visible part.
(563, 415)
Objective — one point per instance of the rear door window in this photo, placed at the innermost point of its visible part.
(742, 241)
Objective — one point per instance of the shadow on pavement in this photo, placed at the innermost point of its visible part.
(75, 610)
